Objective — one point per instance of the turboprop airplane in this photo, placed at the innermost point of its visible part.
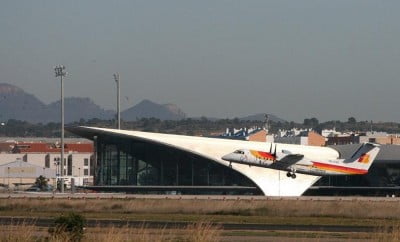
(284, 160)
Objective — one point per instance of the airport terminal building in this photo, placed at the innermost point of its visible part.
(132, 164)
(141, 162)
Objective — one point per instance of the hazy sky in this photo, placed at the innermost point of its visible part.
(330, 59)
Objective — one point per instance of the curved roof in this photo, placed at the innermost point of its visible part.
(271, 182)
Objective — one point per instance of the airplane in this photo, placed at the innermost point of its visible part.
(284, 160)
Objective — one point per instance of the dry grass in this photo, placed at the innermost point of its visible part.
(386, 213)
(197, 232)
(274, 208)
(387, 233)
(18, 232)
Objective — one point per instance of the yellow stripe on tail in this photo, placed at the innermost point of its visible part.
(364, 159)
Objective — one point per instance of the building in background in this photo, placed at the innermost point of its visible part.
(78, 159)
(251, 134)
(300, 137)
(19, 175)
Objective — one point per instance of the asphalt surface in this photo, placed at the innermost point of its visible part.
(48, 222)
(50, 195)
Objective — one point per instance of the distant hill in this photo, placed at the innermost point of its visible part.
(77, 108)
(149, 109)
(261, 117)
(15, 103)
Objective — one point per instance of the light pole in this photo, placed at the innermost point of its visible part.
(116, 78)
(20, 178)
(60, 72)
(8, 185)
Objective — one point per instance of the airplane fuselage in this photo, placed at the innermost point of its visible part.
(297, 163)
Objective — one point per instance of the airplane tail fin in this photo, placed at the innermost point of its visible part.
(364, 156)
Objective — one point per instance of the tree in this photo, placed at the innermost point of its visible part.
(312, 122)
(41, 182)
(351, 120)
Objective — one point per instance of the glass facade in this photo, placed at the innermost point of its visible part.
(129, 162)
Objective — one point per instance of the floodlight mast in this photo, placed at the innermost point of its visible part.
(60, 72)
(116, 78)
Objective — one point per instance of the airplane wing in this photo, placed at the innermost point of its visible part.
(286, 161)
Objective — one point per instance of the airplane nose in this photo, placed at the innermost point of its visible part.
(227, 157)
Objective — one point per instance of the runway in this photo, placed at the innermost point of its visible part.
(49, 222)
(42, 195)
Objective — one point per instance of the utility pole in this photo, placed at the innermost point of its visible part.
(116, 78)
(371, 126)
(60, 72)
(266, 122)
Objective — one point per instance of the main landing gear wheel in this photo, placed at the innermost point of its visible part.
(290, 174)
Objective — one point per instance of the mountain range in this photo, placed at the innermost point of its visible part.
(149, 109)
(15, 103)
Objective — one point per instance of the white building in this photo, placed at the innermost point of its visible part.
(78, 159)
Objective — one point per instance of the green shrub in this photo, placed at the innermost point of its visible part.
(69, 227)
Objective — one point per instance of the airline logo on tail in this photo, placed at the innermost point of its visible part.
(364, 158)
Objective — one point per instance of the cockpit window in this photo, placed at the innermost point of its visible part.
(238, 152)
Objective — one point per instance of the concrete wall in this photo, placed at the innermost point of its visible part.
(7, 158)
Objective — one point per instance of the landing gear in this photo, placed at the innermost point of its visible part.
(230, 164)
(291, 174)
